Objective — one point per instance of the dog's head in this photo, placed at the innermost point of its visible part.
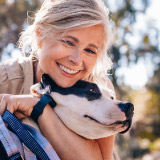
(86, 109)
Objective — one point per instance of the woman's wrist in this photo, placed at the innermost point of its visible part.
(45, 113)
(39, 107)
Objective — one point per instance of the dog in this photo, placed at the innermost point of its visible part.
(86, 109)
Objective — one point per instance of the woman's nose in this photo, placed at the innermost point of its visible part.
(75, 58)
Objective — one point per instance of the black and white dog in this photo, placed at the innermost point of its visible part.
(87, 110)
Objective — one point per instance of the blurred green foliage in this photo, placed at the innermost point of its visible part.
(155, 145)
(13, 19)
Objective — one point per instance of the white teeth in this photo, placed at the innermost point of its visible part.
(67, 70)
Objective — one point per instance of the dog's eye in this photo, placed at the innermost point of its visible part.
(92, 90)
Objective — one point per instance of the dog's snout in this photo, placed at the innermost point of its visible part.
(128, 107)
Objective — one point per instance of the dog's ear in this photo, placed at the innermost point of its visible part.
(39, 89)
(36, 90)
(45, 80)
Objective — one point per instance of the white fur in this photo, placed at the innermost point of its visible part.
(71, 110)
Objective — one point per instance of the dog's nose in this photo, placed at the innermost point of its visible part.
(128, 107)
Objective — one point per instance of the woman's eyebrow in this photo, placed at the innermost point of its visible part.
(76, 40)
(93, 45)
(73, 38)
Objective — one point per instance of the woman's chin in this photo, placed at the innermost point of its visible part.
(64, 84)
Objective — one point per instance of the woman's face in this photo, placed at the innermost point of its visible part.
(71, 56)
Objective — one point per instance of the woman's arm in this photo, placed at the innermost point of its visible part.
(67, 144)
(106, 146)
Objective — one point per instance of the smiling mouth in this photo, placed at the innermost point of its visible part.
(67, 70)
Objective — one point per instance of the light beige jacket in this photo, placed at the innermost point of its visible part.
(16, 76)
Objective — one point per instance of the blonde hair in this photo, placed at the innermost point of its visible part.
(58, 16)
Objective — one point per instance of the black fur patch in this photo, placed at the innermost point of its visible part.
(81, 88)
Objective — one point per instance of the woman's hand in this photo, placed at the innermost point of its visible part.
(21, 105)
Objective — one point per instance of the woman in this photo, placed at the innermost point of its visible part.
(68, 41)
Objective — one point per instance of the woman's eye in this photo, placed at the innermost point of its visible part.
(69, 43)
(90, 51)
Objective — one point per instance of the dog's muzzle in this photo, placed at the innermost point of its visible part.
(128, 109)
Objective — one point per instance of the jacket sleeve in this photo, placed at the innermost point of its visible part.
(11, 77)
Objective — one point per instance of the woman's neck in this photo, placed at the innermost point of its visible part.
(37, 71)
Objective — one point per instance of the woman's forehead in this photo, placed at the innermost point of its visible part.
(93, 35)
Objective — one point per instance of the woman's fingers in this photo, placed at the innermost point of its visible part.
(10, 108)
(3, 103)
(19, 115)
(17, 103)
(7, 102)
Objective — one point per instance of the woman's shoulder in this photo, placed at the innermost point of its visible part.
(13, 71)
(13, 68)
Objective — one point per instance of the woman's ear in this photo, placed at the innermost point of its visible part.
(38, 33)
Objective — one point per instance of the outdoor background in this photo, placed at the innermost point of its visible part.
(136, 71)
